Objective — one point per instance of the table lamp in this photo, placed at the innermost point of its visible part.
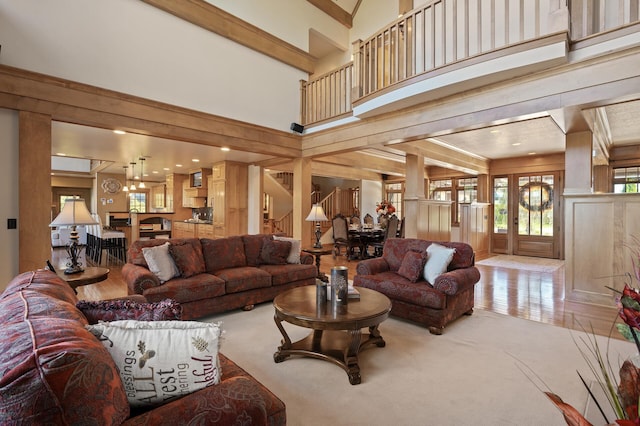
(73, 213)
(316, 215)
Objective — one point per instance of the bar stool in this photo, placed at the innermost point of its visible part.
(114, 242)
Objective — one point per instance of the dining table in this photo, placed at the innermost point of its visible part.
(367, 237)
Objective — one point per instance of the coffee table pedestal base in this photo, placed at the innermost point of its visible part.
(340, 347)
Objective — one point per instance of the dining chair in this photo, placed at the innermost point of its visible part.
(368, 220)
(390, 232)
(342, 238)
(401, 230)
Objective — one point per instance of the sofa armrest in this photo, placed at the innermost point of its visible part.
(138, 278)
(306, 259)
(458, 280)
(372, 266)
(232, 399)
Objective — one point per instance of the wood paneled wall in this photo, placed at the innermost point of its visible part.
(599, 244)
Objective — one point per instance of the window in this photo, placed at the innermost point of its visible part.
(138, 202)
(466, 191)
(626, 179)
(500, 205)
(394, 195)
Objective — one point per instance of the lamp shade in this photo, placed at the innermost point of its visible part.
(316, 214)
(74, 212)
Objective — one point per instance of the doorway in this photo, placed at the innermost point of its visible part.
(526, 215)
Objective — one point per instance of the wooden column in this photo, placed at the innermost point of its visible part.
(34, 183)
(578, 159)
(302, 230)
(413, 193)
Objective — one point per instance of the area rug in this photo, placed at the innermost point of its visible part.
(470, 375)
(535, 264)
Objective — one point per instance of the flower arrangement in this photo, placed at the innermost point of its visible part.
(385, 207)
(623, 396)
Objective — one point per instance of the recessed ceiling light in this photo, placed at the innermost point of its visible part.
(155, 172)
(515, 144)
(195, 160)
(178, 165)
(531, 153)
(119, 132)
(166, 169)
(226, 149)
(494, 132)
(61, 154)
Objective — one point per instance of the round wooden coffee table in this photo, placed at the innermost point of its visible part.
(336, 335)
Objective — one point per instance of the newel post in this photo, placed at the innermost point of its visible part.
(357, 80)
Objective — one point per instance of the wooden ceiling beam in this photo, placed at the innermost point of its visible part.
(82, 104)
(366, 161)
(216, 20)
(446, 157)
(335, 11)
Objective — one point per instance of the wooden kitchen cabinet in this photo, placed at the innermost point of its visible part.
(158, 194)
(183, 230)
(228, 191)
(204, 230)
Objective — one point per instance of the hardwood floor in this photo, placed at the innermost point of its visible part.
(524, 294)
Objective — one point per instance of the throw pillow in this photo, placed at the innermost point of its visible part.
(161, 360)
(294, 253)
(188, 257)
(275, 252)
(122, 309)
(412, 265)
(160, 262)
(438, 259)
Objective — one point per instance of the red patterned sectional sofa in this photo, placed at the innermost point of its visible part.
(217, 275)
(54, 371)
(412, 297)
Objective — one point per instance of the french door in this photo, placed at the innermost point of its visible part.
(526, 215)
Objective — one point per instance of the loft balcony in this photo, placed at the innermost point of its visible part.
(447, 47)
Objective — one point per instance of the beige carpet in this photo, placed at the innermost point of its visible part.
(535, 264)
(467, 376)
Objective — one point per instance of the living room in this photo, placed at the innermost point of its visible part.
(177, 81)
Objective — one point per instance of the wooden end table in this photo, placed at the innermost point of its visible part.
(319, 252)
(90, 275)
(336, 335)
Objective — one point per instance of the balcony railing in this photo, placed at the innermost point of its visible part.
(443, 32)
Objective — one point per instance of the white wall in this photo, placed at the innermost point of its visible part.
(132, 47)
(370, 195)
(9, 195)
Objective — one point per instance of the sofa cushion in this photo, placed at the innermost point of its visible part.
(253, 247)
(397, 287)
(121, 309)
(244, 278)
(296, 246)
(438, 261)
(134, 253)
(285, 274)
(183, 290)
(412, 265)
(188, 257)
(223, 253)
(52, 370)
(160, 262)
(161, 360)
(275, 252)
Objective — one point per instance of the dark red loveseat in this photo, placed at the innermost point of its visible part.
(433, 306)
(53, 371)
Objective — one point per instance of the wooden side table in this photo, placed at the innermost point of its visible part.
(90, 275)
(318, 252)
